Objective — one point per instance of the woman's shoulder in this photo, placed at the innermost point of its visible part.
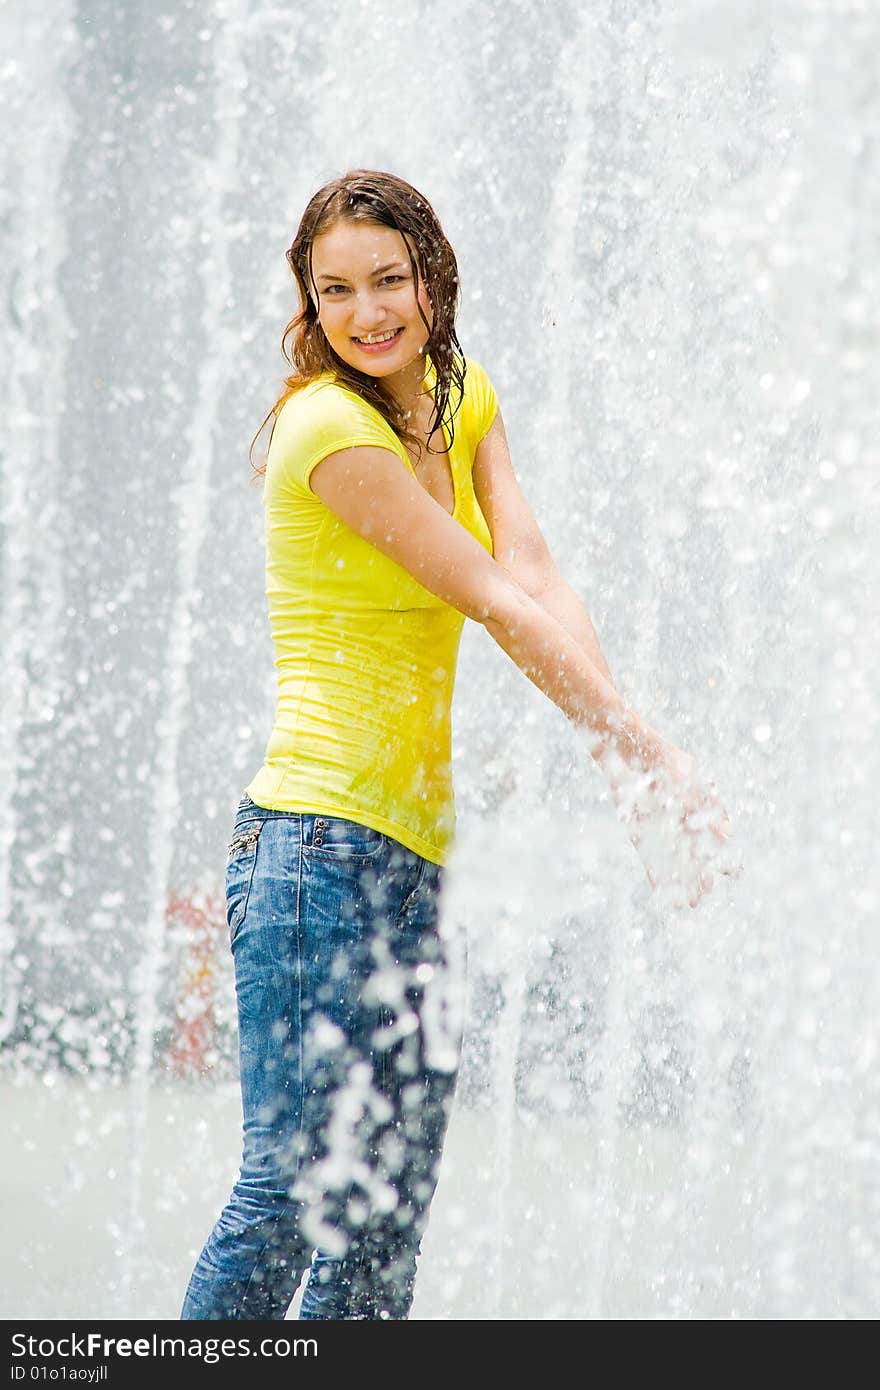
(325, 406)
(323, 396)
(318, 417)
(480, 396)
(475, 369)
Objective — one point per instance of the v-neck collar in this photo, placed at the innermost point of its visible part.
(430, 381)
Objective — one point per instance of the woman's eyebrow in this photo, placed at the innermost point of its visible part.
(380, 270)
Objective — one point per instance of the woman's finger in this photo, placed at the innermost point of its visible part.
(704, 886)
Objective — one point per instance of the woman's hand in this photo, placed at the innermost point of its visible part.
(677, 824)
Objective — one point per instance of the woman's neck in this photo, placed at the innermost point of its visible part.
(408, 386)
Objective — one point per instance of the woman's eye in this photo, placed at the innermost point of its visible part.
(385, 279)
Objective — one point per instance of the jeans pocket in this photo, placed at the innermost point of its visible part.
(335, 837)
(241, 860)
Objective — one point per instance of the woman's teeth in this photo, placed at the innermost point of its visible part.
(379, 337)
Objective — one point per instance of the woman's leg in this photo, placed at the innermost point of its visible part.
(375, 1194)
(325, 918)
(252, 1262)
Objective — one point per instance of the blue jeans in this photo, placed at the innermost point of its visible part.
(349, 1034)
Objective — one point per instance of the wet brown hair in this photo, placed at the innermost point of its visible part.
(369, 195)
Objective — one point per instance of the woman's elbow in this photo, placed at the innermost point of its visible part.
(533, 573)
(504, 603)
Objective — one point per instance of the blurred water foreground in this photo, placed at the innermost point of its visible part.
(609, 1156)
(667, 228)
(515, 1232)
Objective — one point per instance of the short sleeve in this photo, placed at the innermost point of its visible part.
(314, 422)
(481, 394)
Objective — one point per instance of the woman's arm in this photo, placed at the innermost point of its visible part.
(560, 600)
(519, 545)
(374, 493)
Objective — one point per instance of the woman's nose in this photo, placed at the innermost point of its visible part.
(369, 310)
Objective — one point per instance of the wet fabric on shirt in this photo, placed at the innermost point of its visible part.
(365, 655)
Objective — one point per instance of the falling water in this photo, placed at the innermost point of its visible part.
(37, 337)
(214, 180)
(507, 1040)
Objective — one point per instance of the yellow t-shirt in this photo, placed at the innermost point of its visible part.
(365, 655)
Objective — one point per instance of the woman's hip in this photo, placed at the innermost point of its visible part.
(327, 856)
(320, 903)
(340, 960)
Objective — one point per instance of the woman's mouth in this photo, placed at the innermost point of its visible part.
(378, 342)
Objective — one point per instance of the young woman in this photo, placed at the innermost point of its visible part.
(392, 513)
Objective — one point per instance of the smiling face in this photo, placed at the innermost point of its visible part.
(366, 291)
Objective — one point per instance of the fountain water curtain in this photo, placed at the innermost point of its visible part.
(664, 220)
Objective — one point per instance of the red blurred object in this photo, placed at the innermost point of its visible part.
(197, 922)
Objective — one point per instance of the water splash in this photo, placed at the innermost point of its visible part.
(215, 180)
